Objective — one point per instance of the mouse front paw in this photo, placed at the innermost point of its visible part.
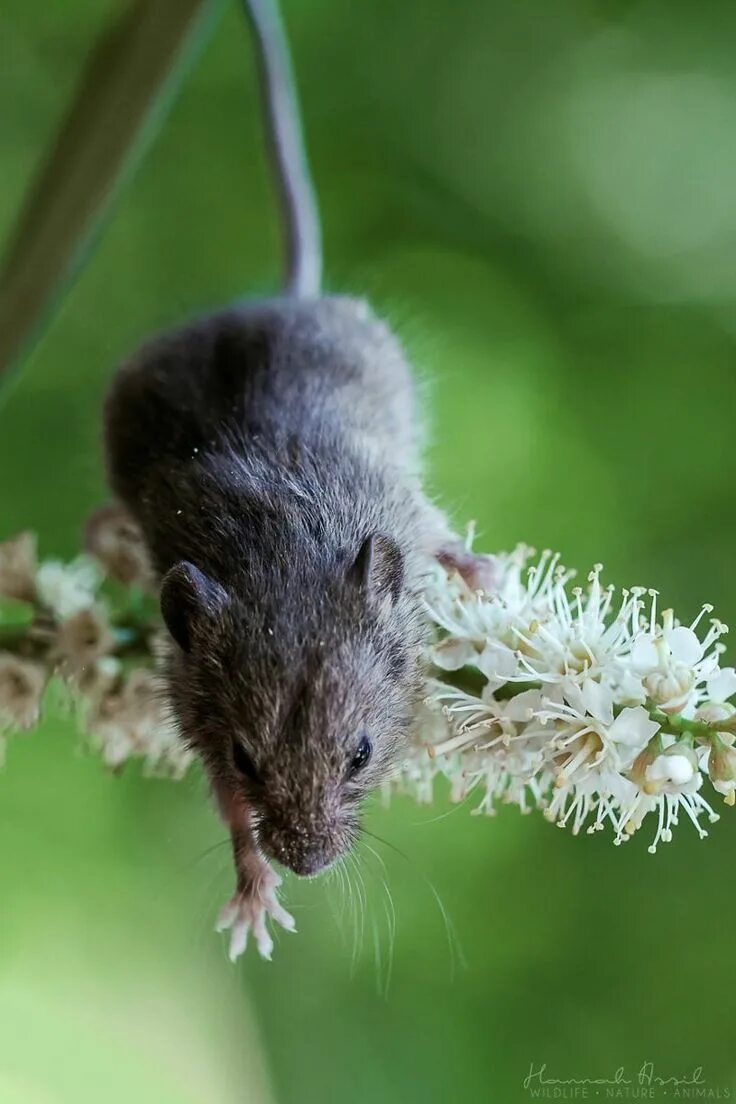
(477, 570)
(248, 912)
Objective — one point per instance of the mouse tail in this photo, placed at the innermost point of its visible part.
(300, 213)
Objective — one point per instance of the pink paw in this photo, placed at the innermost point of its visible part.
(248, 911)
(478, 571)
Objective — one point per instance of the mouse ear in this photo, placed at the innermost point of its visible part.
(379, 566)
(189, 597)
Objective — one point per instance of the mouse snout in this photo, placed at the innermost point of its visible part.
(305, 861)
(303, 851)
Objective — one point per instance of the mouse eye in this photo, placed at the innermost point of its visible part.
(243, 762)
(361, 756)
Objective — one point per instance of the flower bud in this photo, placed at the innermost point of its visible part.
(722, 769)
(81, 640)
(18, 567)
(113, 538)
(21, 686)
(670, 689)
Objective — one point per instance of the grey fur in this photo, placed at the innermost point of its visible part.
(265, 445)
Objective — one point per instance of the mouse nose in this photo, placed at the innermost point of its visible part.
(306, 862)
(302, 852)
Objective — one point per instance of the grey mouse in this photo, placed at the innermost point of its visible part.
(270, 455)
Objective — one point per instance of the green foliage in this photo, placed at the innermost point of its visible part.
(534, 194)
(14, 614)
(121, 99)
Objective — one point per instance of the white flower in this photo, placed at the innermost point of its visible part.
(581, 700)
(667, 782)
(632, 728)
(675, 771)
(67, 589)
(131, 720)
(678, 670)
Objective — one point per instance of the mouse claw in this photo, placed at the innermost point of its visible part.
(226, 916)
(248, 912)
(238, 940)
(264, 942)
(282, 917)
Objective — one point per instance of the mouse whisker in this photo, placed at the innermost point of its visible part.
(341, 905)
(454, 808)
(364, 894)
(377, 956)
(391, 846)
(456, 953)
(358, 915)
(390, 913)
(348, 911)
(224, 842)
(335, 895)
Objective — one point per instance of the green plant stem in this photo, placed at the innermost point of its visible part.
(127, 84)
(675, 725)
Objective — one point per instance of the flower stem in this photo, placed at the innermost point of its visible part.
(472, 681)
(676, 725)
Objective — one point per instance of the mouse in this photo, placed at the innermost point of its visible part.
(270, 453)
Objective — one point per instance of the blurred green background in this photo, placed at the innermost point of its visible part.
(540, 197)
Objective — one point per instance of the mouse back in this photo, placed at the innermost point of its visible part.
(302, 370)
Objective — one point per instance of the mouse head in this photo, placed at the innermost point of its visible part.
(300, 698)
